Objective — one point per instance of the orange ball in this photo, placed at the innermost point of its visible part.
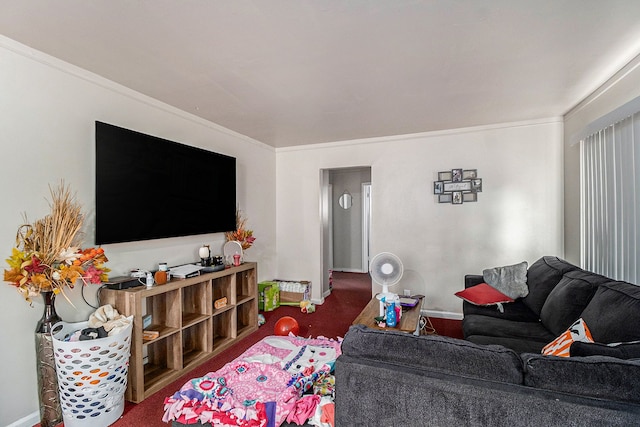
(286, 324)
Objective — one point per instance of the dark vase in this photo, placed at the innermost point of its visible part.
(50, 411)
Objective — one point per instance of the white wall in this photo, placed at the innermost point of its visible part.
(47, 114)
(620, 89)
(518, 215)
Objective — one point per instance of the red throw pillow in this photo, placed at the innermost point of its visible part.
(483, 294)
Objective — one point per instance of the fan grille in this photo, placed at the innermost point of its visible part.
(386, 269)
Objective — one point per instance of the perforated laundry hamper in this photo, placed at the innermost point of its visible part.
(92, 375)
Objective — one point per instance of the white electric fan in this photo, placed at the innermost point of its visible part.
(386, 270)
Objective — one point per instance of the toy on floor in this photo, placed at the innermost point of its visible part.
(307, 307)
(286, 324)
(261, 319)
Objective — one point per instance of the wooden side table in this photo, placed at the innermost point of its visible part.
(409, 322)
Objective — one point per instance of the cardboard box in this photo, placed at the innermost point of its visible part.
(268, 296)
(287, 297)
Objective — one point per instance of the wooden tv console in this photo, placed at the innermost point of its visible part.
(191, 330)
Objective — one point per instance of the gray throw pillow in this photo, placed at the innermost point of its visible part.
(511, 280)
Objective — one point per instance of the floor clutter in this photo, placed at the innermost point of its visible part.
(278, 379)
(351, 292)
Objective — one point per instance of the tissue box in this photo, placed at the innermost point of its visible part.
(268, 296)
(294, 292)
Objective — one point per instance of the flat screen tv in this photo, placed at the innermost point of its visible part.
(151, 188)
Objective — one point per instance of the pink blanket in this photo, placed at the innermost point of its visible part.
(264, 383)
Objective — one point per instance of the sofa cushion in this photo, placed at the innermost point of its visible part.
(518, 345)
(433, 352)
(578, 332)
(569, 298)
(511, 280)
(613, 315)
(512, 311)
(542, 276)
(490, 326)
(598, 376)
(630, 350)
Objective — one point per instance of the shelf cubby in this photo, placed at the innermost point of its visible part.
(223, 330)
(164, 359)
(246, 317)
(244, 289)
(191, 329)
(195, 303)
(196, 343)
(221, 287)
(165, 309)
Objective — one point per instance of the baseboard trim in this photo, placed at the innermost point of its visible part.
(442, 314)
(348, 270)
(28, 421)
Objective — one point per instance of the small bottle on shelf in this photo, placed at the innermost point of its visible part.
(149, 280)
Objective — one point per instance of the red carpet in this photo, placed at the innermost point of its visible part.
(351, 292)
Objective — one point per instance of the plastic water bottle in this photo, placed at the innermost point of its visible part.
(391, 315)
(149, 280)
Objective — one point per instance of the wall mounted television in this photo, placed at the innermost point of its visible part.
(151, 188)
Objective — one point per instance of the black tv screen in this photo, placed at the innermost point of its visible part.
(150, 188)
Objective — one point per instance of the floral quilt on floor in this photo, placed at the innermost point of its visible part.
(278, 379)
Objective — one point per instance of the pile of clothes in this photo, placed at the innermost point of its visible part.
(278, 379)
(103, 322)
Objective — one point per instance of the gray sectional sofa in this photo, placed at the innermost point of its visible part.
(559, 294)
(501, 379)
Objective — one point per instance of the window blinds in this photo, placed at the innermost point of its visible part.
(610, 215)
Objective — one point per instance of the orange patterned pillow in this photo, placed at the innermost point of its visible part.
(561, 345)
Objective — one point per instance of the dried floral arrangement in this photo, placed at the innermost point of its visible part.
(47, 256)
(242, 234)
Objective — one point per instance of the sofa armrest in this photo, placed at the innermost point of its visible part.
(472, 280)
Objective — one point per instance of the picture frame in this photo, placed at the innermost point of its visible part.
(444, 198)
(469, 174)
(457, 186)
(476, 185)
(469, 197)
(456, 197)
(444, 176)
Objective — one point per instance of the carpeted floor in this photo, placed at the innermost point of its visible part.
(350, 293)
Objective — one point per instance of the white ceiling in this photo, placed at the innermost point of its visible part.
(289, 72)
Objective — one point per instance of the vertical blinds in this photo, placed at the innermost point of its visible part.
(610, 215)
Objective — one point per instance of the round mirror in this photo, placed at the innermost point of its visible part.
(345, 200)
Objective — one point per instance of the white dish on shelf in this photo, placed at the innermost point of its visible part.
(230, 249)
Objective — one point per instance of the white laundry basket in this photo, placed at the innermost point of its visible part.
(92, 375)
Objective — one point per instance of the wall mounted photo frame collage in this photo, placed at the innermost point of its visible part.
(457, 186)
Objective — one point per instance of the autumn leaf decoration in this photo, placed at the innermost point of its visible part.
(47, 256)
(241, 234)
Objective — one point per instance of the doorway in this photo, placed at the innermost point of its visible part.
(346, 221)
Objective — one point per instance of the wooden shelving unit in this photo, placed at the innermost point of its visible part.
(191, 330)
